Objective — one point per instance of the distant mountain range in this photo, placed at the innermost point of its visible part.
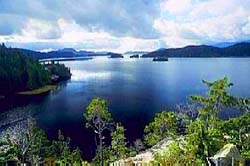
(235, 50)
(220, 50)
(227, 44)
(135, 52)
(62, 53)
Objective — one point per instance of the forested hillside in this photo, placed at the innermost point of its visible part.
(237, 50)
(20, 72)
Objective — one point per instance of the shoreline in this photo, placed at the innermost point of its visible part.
(39, 91)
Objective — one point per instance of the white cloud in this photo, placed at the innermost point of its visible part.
(127, 25)
(41, 29)
(204, 22)
(246, 28)
(176, 7)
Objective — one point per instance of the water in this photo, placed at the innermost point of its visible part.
(135, 89)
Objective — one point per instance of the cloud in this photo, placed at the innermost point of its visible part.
(121, 25)
(11, 24)
(120, 18)
(42, 29)
(204, 22)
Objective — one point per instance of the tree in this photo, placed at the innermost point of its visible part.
(118, 143)
(76, 157)
(62, 152)
(204, 133)
(163, 125)
(172, 155)
(40, 147)
(20, 72)
(237, 131)
(203, 142)
(27, 142)
(217, 99)
(99, 119)
(61, 149)
(7, 152)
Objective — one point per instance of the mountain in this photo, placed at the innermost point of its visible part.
(68, 50)
(35, 54)
(136, 52)
(78, 53)
(236, 50)
(62, 53)
(227, 44)
(224, 44)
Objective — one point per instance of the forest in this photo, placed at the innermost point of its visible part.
(197, 132)
(21, 72)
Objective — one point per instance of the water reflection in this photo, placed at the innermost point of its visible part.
(80, 75)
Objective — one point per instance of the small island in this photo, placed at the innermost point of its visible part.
(160, 59)
(115, 55)
(134, 56)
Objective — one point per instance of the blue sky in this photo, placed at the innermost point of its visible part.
(122, 25)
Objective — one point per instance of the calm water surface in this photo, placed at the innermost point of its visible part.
(135, 89)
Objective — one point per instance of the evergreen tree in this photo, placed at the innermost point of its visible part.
(204, 135)
(99, 119)
(163, 125)
(118, 143)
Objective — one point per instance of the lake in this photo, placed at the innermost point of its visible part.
(135, 89)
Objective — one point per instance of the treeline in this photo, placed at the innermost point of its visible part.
(237, 50)
(197, 133)
(19, 72)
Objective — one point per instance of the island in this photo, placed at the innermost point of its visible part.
(134, 56)
(115, 55)
(160, 59)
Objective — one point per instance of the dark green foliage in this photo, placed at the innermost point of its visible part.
(163, 125)
(62, 152)
(118, 143)
(27, 142)
(237, 131)
(204, 134)
(19, 72)
(171, 156)
(60, 70)
(207, 133)
(99, 119)
(7, 152)
(107, 156)
(40, 147)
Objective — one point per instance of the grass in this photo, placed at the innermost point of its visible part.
(38, 91)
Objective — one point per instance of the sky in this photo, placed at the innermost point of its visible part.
(122, 25)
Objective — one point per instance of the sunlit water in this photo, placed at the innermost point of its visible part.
(135, 90)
